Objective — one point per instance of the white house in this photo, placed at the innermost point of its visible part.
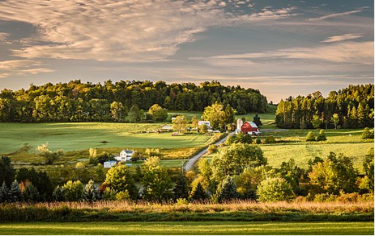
(109, 164)
(125, 155)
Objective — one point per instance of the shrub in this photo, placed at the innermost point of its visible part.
(274, 190)
(123, 195)
(348, 197)
(270, 139)
(367, 134)
(258, 141)
(310, 137)
(72, 191)
(182, 201)
(321, 136)
(212, 149)
(325, 197)
(80, 165)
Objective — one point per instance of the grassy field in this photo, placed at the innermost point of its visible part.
(78, 136)
(190, 228)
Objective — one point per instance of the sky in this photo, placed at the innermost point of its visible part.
(281, 47)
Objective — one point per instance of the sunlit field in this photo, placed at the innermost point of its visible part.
(78, 136)
(191, 228)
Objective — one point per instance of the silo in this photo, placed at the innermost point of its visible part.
(239, 124)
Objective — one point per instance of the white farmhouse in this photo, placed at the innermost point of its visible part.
(125, 155)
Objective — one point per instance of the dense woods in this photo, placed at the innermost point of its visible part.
(120, 101)
(352, 107)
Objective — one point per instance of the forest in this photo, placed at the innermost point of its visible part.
(77, 101)
(351, 107)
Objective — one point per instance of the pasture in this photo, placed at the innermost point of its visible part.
(79, 136)
(191, 228)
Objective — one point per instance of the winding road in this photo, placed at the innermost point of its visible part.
(189, 164)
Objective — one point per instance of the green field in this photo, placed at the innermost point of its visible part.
(191, 228)
(79, 136)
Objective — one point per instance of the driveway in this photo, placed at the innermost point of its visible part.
(195, 158)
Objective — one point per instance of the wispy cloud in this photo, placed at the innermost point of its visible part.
(132, 30)
(338, 38)
(21, 67)
(347, 52)
(3, 36)
(335, 15)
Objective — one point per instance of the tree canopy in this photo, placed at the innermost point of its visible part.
(77, 101)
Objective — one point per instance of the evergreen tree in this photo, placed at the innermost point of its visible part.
(181, 188)
(89, 193)
(4, 193)
(58, 194)
(227, 190)
(15, 194)
(256, 120)
(198, 193)
(31, 193)
(7, 171)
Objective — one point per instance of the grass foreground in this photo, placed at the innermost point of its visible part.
(192, 228)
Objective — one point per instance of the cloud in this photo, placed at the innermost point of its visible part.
(3, 36)
(335, 15)
(131, 31)
(21, 67)
(338, 38)
(347, 52)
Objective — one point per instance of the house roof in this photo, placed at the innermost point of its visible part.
(127, 151)
(252, 124)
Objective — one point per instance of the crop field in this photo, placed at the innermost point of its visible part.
(191, 228)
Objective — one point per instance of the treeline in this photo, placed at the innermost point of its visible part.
(352, 107)
(76, 101)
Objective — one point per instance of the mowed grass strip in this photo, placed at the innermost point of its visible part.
(191, 228)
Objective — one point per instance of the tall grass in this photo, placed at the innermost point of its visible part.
(143, 211)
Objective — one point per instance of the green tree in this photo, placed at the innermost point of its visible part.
(72, 190)
(134, 114)
(198, 193)
(58, 194)
(274, 190)
(158, 113)
(49, 156)
(236, 158)
(256, 120)
(7, 172)
(335, 119)
(316, 122)
(181, 190)
(4, 193)
(368, 166)
(15, 194)
(157, 185)
(335, 173)
(31, 193)
(119, 179)
(217, 116)
(227, 190)
(180, 124)
(118, 111)
(194, 122)
(212, 149)
(203, 128)
(89, 193)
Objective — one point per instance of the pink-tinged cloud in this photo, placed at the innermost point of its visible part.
(346, 52)
(130, 31)
(339, 38)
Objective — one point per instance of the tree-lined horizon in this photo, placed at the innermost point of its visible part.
(77, 101)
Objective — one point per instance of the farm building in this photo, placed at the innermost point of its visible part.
(109, 164)
(125, 155)
(204, 122)
(247, 128)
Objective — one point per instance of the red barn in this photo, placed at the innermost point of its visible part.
(249, 127)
